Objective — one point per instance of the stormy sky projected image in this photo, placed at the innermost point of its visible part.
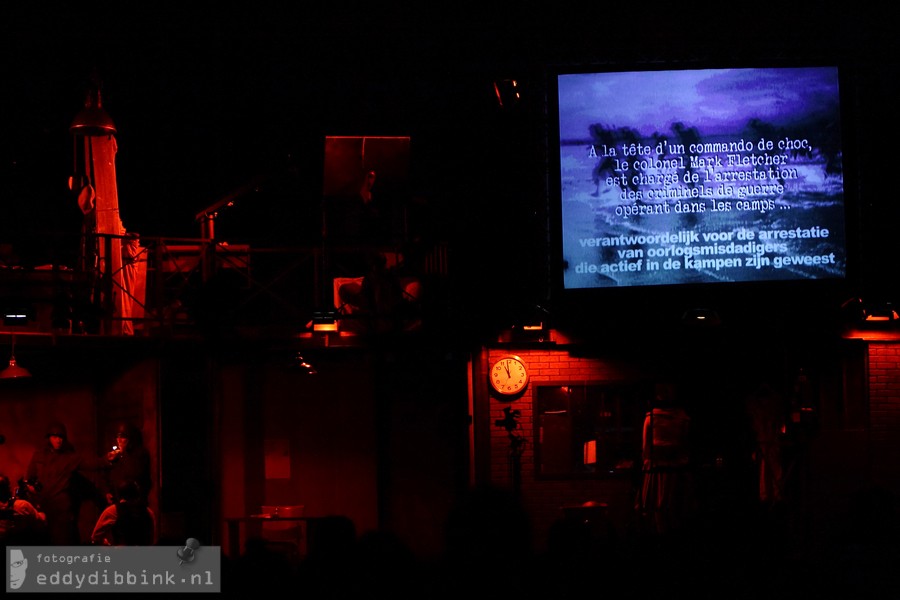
(700, 176)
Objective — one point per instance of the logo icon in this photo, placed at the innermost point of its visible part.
(187, 553)
(18, 564)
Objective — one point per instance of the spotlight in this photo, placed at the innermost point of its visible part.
(15, 316)
(302, 364)
(508, 92)
(881, 312)
(701, 317)
(324, 321)
(530, 323)
(870, 314)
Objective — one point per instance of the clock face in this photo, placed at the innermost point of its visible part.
(508, 375)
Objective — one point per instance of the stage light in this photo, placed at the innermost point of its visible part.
(14, 318)
(701, 317)
(16, 312)
(881, 313)
(324, 321)
(870, 313)
(508, 92)
(304, 365)
(529, 323)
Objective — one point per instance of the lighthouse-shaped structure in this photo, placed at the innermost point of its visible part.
(109, 255)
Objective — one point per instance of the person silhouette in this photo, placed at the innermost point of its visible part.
(127, 522)
(62, 473)
(129, 461)
(20, 521)
(368, 258)
(667, 487)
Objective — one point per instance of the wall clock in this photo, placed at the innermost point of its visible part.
(509, 375)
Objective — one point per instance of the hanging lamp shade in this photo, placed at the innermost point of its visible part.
(14, 371)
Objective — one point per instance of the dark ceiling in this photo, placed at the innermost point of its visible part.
(206, 100)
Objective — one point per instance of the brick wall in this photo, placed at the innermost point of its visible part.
(544, 499)
(884, 412)
(844, 459)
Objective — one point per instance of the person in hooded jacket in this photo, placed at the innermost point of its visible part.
(130, 461)
(59, 484)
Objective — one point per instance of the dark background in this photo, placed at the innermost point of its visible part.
(207, 101)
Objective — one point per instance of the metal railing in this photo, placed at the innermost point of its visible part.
(174, 286)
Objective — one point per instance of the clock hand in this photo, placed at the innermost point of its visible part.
(506, 366)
